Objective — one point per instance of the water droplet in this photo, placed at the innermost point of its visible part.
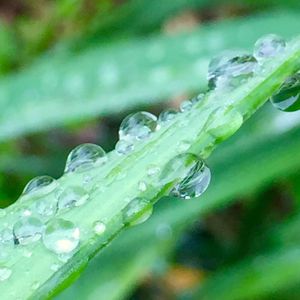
(195, 183)
(99, 227)
(153, 170)
(268, 46)
(61, 236)
(5, 273)
(186, 106)
(85, 157)
(137, 126)
(46, 206)
(137, 211)
(178, 168)
(27, 230)
(167, 115)
(288, 96)
(232, 72)
(72, 196)
(197, 99)
(40, 186)
(124, 147)
(142, 186)
(27, 213)
(223, 122)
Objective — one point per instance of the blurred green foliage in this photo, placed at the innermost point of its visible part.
(51, 99)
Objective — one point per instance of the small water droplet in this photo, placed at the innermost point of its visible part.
(142, 186)
(167, 116)
(5, 273)
(124, 147)
(85, 157)
(268, 46)
(288, 96)
(137, 211)
(27, 230)
(195, 183)
(230, 73)
(27, 213)
(137, 126)
(72, 196)
(40, 186)
(186, 106)
(99, 227)
(61, 236)
(153, 170)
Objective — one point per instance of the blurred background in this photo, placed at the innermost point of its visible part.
(71, 70)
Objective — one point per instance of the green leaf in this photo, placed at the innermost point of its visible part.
(110, 79)
(114, 186)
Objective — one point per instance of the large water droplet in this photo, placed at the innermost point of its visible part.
(195, 183)
(231, 73)
(5, 273)
(178, 168)
(61, 236)
(85, 157)
(288, 96)
(27, 230)
(167, 115)
(268, 46)
(137, 126)
(40, 186)
(72, 196)
(137, 211)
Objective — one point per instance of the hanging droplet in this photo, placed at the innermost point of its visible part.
(195, 183)
(288, 96)
(5, 273)
(72, 196)
(232, 73)
(27, 230)
(85, 157)
(124, 147)
(178, 168)
(137, 211)
(167, 116)
(99, 227)
(186, 106)
(137, 126)
(269, 46)
(61, 236)
(223, 122)
(40, 186)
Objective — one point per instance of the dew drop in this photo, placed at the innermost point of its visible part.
(72, 196)
(288, 96)
(99, 227)
(153, 170)
(5, 273)
(40, 186)
(167, 116)
(137, 126)
(124, 147)
(137, 211)
(142, 186)
(186, 106)
(269, 46)
(61, 236)
(195, 183)
(27, 230)
(231, 73)
(85, 157)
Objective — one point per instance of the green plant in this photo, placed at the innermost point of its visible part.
(197, 130)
